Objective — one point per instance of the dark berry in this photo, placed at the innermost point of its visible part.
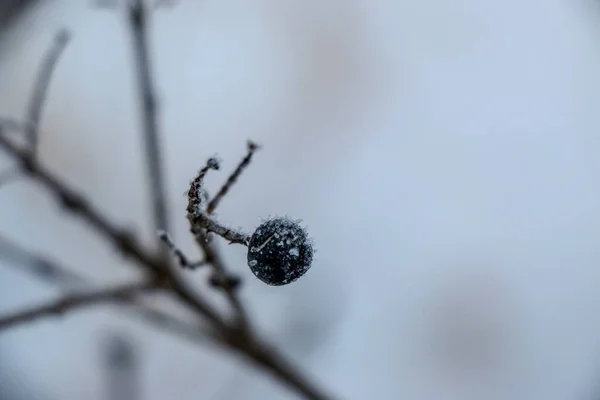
(279, 251)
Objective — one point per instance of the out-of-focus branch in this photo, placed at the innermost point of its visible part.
(138, 22)
(200, 223)
(75, 301)
(245, 341)
(40, 89)
(124, 242)
(49, 271)
(239, 335)
(182, 259)
(41, 267)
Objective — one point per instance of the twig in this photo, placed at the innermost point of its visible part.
(40, 90)
(200, 222)
(78, 205)
(178, 253)
(73, 302)
(138, 19)
(229, 234)
(212, 205)
(240, 336)
(199, 218)
(41, 267)
(246, 343)
(55, 274)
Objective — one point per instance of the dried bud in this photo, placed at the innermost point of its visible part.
(279, 251)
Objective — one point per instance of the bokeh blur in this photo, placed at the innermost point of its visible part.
(443, 155)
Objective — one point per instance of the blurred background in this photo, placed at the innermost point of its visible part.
(443, 154)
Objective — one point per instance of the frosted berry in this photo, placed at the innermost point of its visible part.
(279, 251)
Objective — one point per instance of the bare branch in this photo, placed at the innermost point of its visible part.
(125, 243)
(199, 219)
(200, 223)
(239, 336)
(41, 267)
(211, 225)
(138, 22)
(178, 253)
(55, 274)
(73, 302)
(212, 205)
(40, 90)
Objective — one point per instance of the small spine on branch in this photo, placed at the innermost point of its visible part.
(196, 194)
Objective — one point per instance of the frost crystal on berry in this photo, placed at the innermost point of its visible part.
(279, 251)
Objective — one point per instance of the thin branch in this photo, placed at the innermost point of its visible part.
(40, 90)
(182, 259)
(225, 281)
(199, 224)
(199, 218)
(244, 342)
(55, 274)
(125, 243)
(41, 267)
(212, 225)
(73, 302)
(212, 205)
(138, 22)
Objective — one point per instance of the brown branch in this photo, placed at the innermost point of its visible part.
(245, 343)
(212, 205)
(56, 274)
(200, 223)
(138, 22)
(40, 89)
(182, 259)
(72, 302)
(124, 242)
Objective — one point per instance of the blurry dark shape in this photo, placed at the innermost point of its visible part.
(42, 267)
(11, 10)
(40, 89)
(121, 368)
(139, 19)
(182, 259)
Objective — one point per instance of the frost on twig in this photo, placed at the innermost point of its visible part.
(198, 217)
(36, 104)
